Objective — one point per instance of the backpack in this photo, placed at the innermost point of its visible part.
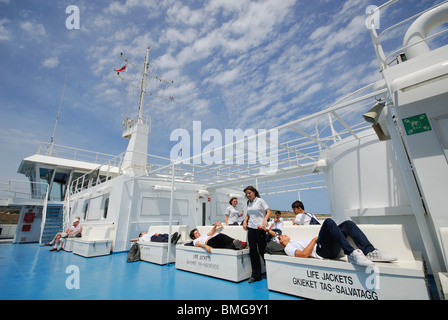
(134, 253)
(275, 248)
(313, 218)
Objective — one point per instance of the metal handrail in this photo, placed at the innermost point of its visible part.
(383, 60)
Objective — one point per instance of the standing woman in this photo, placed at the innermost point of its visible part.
(258, 213)
(232, 214)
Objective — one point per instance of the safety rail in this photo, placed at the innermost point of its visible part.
(16, 191)
(77, 154)
(113, 168)
(299, 148)
(293, 157)
(396, 54)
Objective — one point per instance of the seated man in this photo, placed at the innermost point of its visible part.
(331, 239)
(74, 231)
(302, 217)
(220, 241)
(276, 226)
(157, 237)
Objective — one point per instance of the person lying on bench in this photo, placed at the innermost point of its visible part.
(157, 237)
(220, 241)
(331, 239)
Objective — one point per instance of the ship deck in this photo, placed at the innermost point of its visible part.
(31, 272)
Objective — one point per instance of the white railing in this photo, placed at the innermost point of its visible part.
(113, 168)
(16, 191)
(77, 154)
(300, 145)
(372, 21)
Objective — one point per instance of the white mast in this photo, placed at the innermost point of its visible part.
(57, 118)
(135, 160)
(142, 88)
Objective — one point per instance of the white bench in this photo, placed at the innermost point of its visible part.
(338, 279)
(227, 264)
(68, 243)
(97, 240)
(157, 252)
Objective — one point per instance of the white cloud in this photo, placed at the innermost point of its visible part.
(4, 33)
(117, 8)
(225, 77)
(173, 36)
(180, 14)
(33, 30)
(52, 62)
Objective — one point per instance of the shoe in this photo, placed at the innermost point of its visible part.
(48, 244)
(174, 238)
(252, 280)
(237, 244)
(380, 256)
(54, 249)
(177, 239)
(358, 258)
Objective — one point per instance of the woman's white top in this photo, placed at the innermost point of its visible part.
(232, 214)
(256, 211)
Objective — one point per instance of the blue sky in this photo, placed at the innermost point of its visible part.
(234, 63)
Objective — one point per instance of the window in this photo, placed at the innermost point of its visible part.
(106, 208)
(86, 209)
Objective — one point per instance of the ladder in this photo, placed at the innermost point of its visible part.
(53, 222)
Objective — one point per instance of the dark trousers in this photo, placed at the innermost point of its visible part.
(257, 248)
(221, 241)
(162, 237)
(332, 238)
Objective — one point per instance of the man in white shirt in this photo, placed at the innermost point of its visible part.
(219, 241)
(74, 231)
(276, 226)
(302, 217)
(330, 241)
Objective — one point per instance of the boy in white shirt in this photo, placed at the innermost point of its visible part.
(276, 226)
(219, 241)
(331, 239)
(302, 217)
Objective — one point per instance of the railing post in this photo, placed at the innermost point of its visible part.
(44, 215)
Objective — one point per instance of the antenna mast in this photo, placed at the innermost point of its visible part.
(142, 88)
(57, 118)
(135, 160)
